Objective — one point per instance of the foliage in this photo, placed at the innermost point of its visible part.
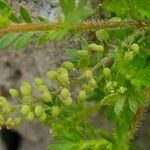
(110, 74)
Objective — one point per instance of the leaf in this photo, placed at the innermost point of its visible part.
(71, 52)
(21, 42)
(133, 104)
(42, 19)
(4, 8)
(84, 44)
(44, 38)
(119, 105)
(25, 14)
(7, 40)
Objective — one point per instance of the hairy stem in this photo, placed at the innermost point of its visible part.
(88, 25)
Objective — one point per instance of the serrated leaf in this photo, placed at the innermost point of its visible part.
(119, 105)
(5, 8)
(25, 14)
(7, 40)
(21, 42)
(133, 104)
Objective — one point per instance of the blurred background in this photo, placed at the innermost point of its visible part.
(34, 61)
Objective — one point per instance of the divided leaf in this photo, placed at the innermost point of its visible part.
(7, 40)
(133, 104)
(21, 42)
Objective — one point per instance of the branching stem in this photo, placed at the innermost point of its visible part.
(87, 25)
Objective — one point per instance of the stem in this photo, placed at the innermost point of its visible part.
(88, 25)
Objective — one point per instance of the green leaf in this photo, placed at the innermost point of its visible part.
(119, 105)
(7, 40)
(25, 14)
(133, 104)
(71, 52)
(44, 38)
(6, 9)
(21, 42)
(42, 19)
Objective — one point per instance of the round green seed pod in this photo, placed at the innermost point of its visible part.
(135, 48)
(14, 93)
(88, 74)
(68, 101)
(42, 118)
(89, 89)
(129, 56)
(82, 95)
(65, 93)
(55, 111)
(38, 110)
(38, 81)
(68, 65)
(25, 110)
(30, 116)
(107, 73)
(102, 35)
(46, 96)
(63, 79)
(82, 53)
(96, 48)
(9, 123)
(52, 75)
(25, 88)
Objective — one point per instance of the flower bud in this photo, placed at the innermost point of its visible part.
(122, 90)
(25, 110)
(52, 75)
(92, 82)
(43, 88)
(68, 101)
(55, 111)
(82, 53)
(63, 79)
(30, 116)
(135, 48)
(107, 73)
(42, 118)
(129, 56)
(38, 110)
(38, 81)
(102, 35)
(25, 88)
(68, 65)
(18, 121)
(96, 48)
(9, 123)
(82, 95)
(65, 93)
(47, 97)
(62, 70)
(14, 93)
(88, 74)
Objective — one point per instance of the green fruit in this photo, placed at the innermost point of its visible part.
(25, 110)
(52, 75)
(38, 81)
(135, 48)
(55, 111)
(82, 95)
(9, 123)
(102, 35)
(3, 101)
(96, 48)
(47, 97)
(89, 89)
(14, 93)
(107, 73)
(68, 101)
(68, 65)
(88, 74)
(42, 118)
(65, 93)
(30, 116)
(82, 53)
(25, 88)
(6, 109)
(129, 56)
(38, 110)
